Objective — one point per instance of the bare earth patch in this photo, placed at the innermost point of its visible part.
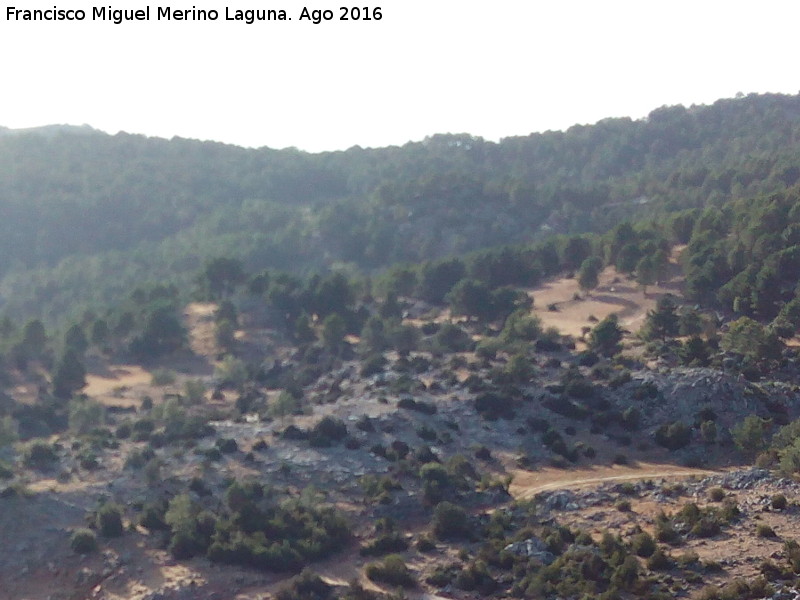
(116, 377)
(615, 294)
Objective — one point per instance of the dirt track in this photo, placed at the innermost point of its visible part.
(527, 484)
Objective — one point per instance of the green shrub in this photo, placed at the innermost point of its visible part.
(476, 576)
(152, 517)
(626, 574)
(452, 338)
(659, 561)
(687, 559)
(425, 544)
(750, 436)
(709, 592)
(194, 390)
(39, 455)
(163, 377)
(83, 541)
(492, 406)
(673, 436)
(109, 520)
(706, 527)
(85, 415)
(372, 365)
(483, 453)
(791, 550)
(426, 408)
(779, 502)
(231, 371)
(8, 431)
(392, 570)
(643, 544)
(123, 431)
(441, 576)
(435, 482)
(665, 532)
(6, 470)
(306, 586)
(284, 404)
(227, 445)
(260, 534)
(765, 531)
(716, 494)
(385, 544)
(328, 431)
(450, 522)
(137, 458)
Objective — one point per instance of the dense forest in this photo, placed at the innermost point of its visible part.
(87, 216)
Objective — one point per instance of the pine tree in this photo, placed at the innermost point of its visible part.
(588, 275)
(70, 374)
(606, 337)
(663, 322)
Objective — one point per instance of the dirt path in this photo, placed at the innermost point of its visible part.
(527, 484)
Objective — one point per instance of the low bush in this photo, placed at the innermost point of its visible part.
(659, 561)
(163, 377)
(483, 453)
(778, 502)
(152, 517)
(327, 432)
(566, 407)
(6, 470)
(387, 543)
(450, 522)
(426, 408)
(425, 544)
(765, 531)
(391, 570)
(372, 365)
(83, 541)
(109, 520)
(492, 406)
(227, 445)
(665, 532)
(673, 436)
(306, 586)
(39, 455)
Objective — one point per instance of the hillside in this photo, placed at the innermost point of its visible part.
(87, 216)
(557, 366)
(222, 467)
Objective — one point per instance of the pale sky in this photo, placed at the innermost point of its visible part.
(493, 68)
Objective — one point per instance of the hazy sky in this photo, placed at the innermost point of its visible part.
(494, 68)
